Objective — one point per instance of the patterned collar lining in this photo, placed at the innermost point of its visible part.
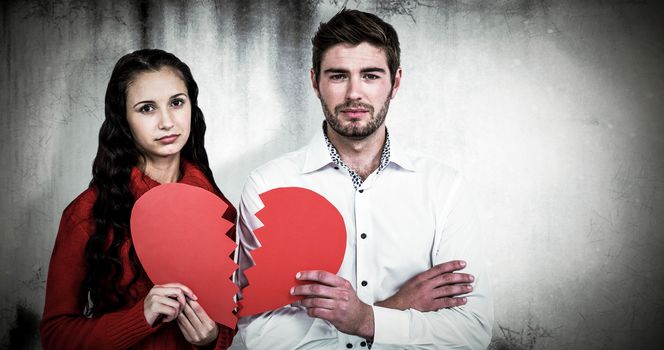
(336, 159)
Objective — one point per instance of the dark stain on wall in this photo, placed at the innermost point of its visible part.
(183, 9)
(24, 331)
(150, 19)
(6, 40)
(401, 8)
(524, 339)
(295, 27)
(143, 20)
(244, 17)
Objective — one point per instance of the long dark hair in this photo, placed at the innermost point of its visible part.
(116, 155)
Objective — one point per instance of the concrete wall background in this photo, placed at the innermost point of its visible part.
(554, 110)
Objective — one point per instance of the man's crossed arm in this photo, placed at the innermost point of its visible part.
(333, 298)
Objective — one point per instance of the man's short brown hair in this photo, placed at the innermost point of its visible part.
(355, 27)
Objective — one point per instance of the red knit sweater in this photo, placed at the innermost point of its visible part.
(64, 326)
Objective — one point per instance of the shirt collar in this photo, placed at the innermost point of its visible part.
(336, 158)
(400, 156)
(317, 154)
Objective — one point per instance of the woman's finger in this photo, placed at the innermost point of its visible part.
(172, 292)
(191, 316)
(187, 328)
(160, 299)
(190, 294)
(169, 312)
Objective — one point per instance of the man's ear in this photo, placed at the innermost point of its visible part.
(314, 83)
(397, 83)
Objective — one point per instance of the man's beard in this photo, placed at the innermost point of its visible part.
(354, 130)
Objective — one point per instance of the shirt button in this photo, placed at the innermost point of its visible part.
(363, 236)
(364, 283)
(349, 345)
(361, 191)
(363, 344)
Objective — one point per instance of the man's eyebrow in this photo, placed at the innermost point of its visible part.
(336, 70)
(373, 70)
(363, 70)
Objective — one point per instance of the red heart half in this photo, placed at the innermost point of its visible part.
(180, 236)
(302, 231)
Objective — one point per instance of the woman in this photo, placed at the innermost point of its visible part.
(97, 294)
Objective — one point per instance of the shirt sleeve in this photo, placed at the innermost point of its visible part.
(466, 327)
(64, 325)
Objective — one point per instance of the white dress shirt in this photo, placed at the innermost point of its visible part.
(401, 221)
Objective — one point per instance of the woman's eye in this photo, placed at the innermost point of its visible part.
(178, 102)
(146, 108)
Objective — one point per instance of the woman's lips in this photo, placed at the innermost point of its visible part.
(168, 139)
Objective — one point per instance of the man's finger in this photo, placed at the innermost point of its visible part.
(314, 290)
(444, 303)
(324, 314)
(452, 290)
(322, 303)
(445, 267)
(323, 277)
(451, 278)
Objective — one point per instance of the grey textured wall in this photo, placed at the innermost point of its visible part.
(553, 109)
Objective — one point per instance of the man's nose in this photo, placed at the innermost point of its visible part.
(354, 90)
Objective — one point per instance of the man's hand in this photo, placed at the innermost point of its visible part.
(434, 289)
(332, 298)
(196, 326)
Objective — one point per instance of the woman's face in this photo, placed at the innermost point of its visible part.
(159, 114)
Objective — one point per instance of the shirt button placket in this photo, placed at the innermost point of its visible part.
(363, 248)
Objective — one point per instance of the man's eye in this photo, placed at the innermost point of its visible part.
(146, 108)
(370, 76)
(337, 76)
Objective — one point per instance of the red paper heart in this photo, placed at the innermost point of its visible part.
(302, 231)
(180, 236)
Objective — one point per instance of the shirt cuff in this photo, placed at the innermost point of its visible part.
(126, 328)
(391, 326)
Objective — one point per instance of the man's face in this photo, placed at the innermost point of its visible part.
(355, 89)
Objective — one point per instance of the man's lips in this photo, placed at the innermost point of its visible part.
(354, 112)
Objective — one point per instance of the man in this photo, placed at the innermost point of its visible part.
(407, 217)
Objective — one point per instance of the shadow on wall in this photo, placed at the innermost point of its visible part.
(24, 331)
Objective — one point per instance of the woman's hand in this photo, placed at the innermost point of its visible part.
(167, 301)
(196, 326)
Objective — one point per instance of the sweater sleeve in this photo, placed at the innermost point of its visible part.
(63, 324)
(223, 340)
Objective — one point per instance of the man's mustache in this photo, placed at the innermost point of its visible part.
(353, 104)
